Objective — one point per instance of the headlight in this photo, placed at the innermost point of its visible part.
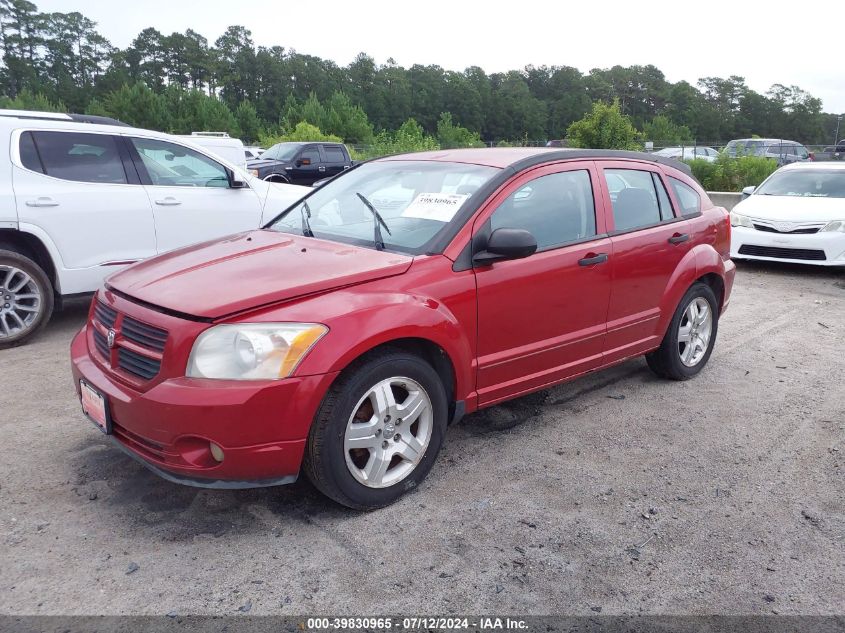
(252, 351)
(741, 220)
(837, 225)
(254, 172)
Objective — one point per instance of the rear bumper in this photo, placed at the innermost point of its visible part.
(262, 427)
(818, 249)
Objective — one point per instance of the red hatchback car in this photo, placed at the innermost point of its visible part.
(344, 336)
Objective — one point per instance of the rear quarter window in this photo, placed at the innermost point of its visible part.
(687, 197)
(29, 155)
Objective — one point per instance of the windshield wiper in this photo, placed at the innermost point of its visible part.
(378, 223)
(305, 212)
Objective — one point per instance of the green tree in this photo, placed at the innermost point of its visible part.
(450, 135)
(663, 132)
(604, 128)
(137, 105)
(303, 132)
(248, 122)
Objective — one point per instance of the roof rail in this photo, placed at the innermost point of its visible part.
(61, 116)
(212, 134)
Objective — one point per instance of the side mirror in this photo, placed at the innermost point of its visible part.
(303, 161)
(748, 191)
(235, 181)
(506, 244)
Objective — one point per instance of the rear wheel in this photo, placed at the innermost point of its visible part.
(689, 340)
(378, 431)
(26, 299)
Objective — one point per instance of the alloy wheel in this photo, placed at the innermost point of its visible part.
(20, 301)
(694, 332)
(388, 432)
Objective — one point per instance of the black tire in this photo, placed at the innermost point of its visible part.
(665, 361)
(45, 288)
(325, 461)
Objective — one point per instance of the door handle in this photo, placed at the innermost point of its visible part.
(43, 201)
(169, 201)
(591, 259)
(321, 169)
(677, 238)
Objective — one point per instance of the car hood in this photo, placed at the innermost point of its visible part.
(249, 270)
(792, 208)
(258, 163)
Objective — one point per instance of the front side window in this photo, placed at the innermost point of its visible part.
(282, 151)
(172, 165)
(687, 197)
(415, 199)
(555, 209)
(312, 154)
(633, 197)
(74, 156)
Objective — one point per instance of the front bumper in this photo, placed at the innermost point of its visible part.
(820, 249)
(262, 427)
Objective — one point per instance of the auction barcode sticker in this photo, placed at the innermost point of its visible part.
(441, 207)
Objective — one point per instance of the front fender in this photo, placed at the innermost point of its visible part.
(375, 318)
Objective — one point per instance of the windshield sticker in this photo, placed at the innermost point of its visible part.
(441, 207)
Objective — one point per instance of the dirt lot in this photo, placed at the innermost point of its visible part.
(617, 492)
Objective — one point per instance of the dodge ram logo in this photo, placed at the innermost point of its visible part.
(110, 338)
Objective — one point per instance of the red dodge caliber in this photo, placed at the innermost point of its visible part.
(343, 337)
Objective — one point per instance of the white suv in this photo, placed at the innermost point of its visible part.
(81, 200)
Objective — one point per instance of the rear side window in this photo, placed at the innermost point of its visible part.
(334, 155)
(634, 198)
(79, 157)
(666, 212)
(29, 155)
(555, 209)
(687, 197)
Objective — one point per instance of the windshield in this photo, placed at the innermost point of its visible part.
(282, 151)
(808, 184)
(415, 199)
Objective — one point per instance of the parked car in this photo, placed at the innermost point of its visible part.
(797, 215)
(782, 151)
(832, 152)
(82, 200)
(689, 153)
(301, 163)
(220, 144)
(341, 342)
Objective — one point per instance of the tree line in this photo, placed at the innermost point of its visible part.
(182, 82)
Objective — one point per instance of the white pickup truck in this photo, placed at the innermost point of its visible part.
(84, 196)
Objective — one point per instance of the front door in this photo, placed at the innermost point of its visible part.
(308, 167)
(190, 195)
(542, 318)
(649, 241)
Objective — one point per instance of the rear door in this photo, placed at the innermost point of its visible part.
(542, 318)
(80, 190)
(649, 241)
(336, 161)
(190, 194)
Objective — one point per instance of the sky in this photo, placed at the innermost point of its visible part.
(765, 42)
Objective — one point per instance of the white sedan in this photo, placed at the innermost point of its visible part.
(689, 153)
(796, 215)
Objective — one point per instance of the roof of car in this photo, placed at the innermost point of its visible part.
(765, 140)
(808, 165)
(523, 157)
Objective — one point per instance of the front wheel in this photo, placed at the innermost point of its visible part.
(689, 340)
(378, 431)
(26, 299)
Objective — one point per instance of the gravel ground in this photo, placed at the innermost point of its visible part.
(617, 492)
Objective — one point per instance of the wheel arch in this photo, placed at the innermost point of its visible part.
(278, 178)
(31, 246)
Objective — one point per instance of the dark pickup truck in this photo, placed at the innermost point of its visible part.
(836, 152)
(301, 163)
